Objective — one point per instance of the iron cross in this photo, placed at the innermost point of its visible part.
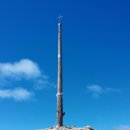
(59, 18)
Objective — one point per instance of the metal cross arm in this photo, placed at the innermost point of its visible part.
(59, 18)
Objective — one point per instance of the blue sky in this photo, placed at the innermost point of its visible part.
(96, 63)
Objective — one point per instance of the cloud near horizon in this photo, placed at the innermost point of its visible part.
(13, 74)
(97, 90)
(122, 127)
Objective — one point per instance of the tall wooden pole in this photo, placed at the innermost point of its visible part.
(60, 112)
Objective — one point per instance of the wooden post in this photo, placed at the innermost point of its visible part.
(60, 113)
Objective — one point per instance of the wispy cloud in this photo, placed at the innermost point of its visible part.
(122, 127)
(18, 94)
(25, 73)
(97, 90)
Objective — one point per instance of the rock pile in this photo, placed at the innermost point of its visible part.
(68, 128)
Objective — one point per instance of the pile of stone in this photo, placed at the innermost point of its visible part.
(68, 128)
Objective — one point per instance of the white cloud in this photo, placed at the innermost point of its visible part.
(18, 94)
(22, 73)
(97, 90)
(25, 68)
(122, 127)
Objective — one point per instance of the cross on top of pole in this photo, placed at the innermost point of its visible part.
(59, 18)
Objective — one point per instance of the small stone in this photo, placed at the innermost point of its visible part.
(88, 128)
